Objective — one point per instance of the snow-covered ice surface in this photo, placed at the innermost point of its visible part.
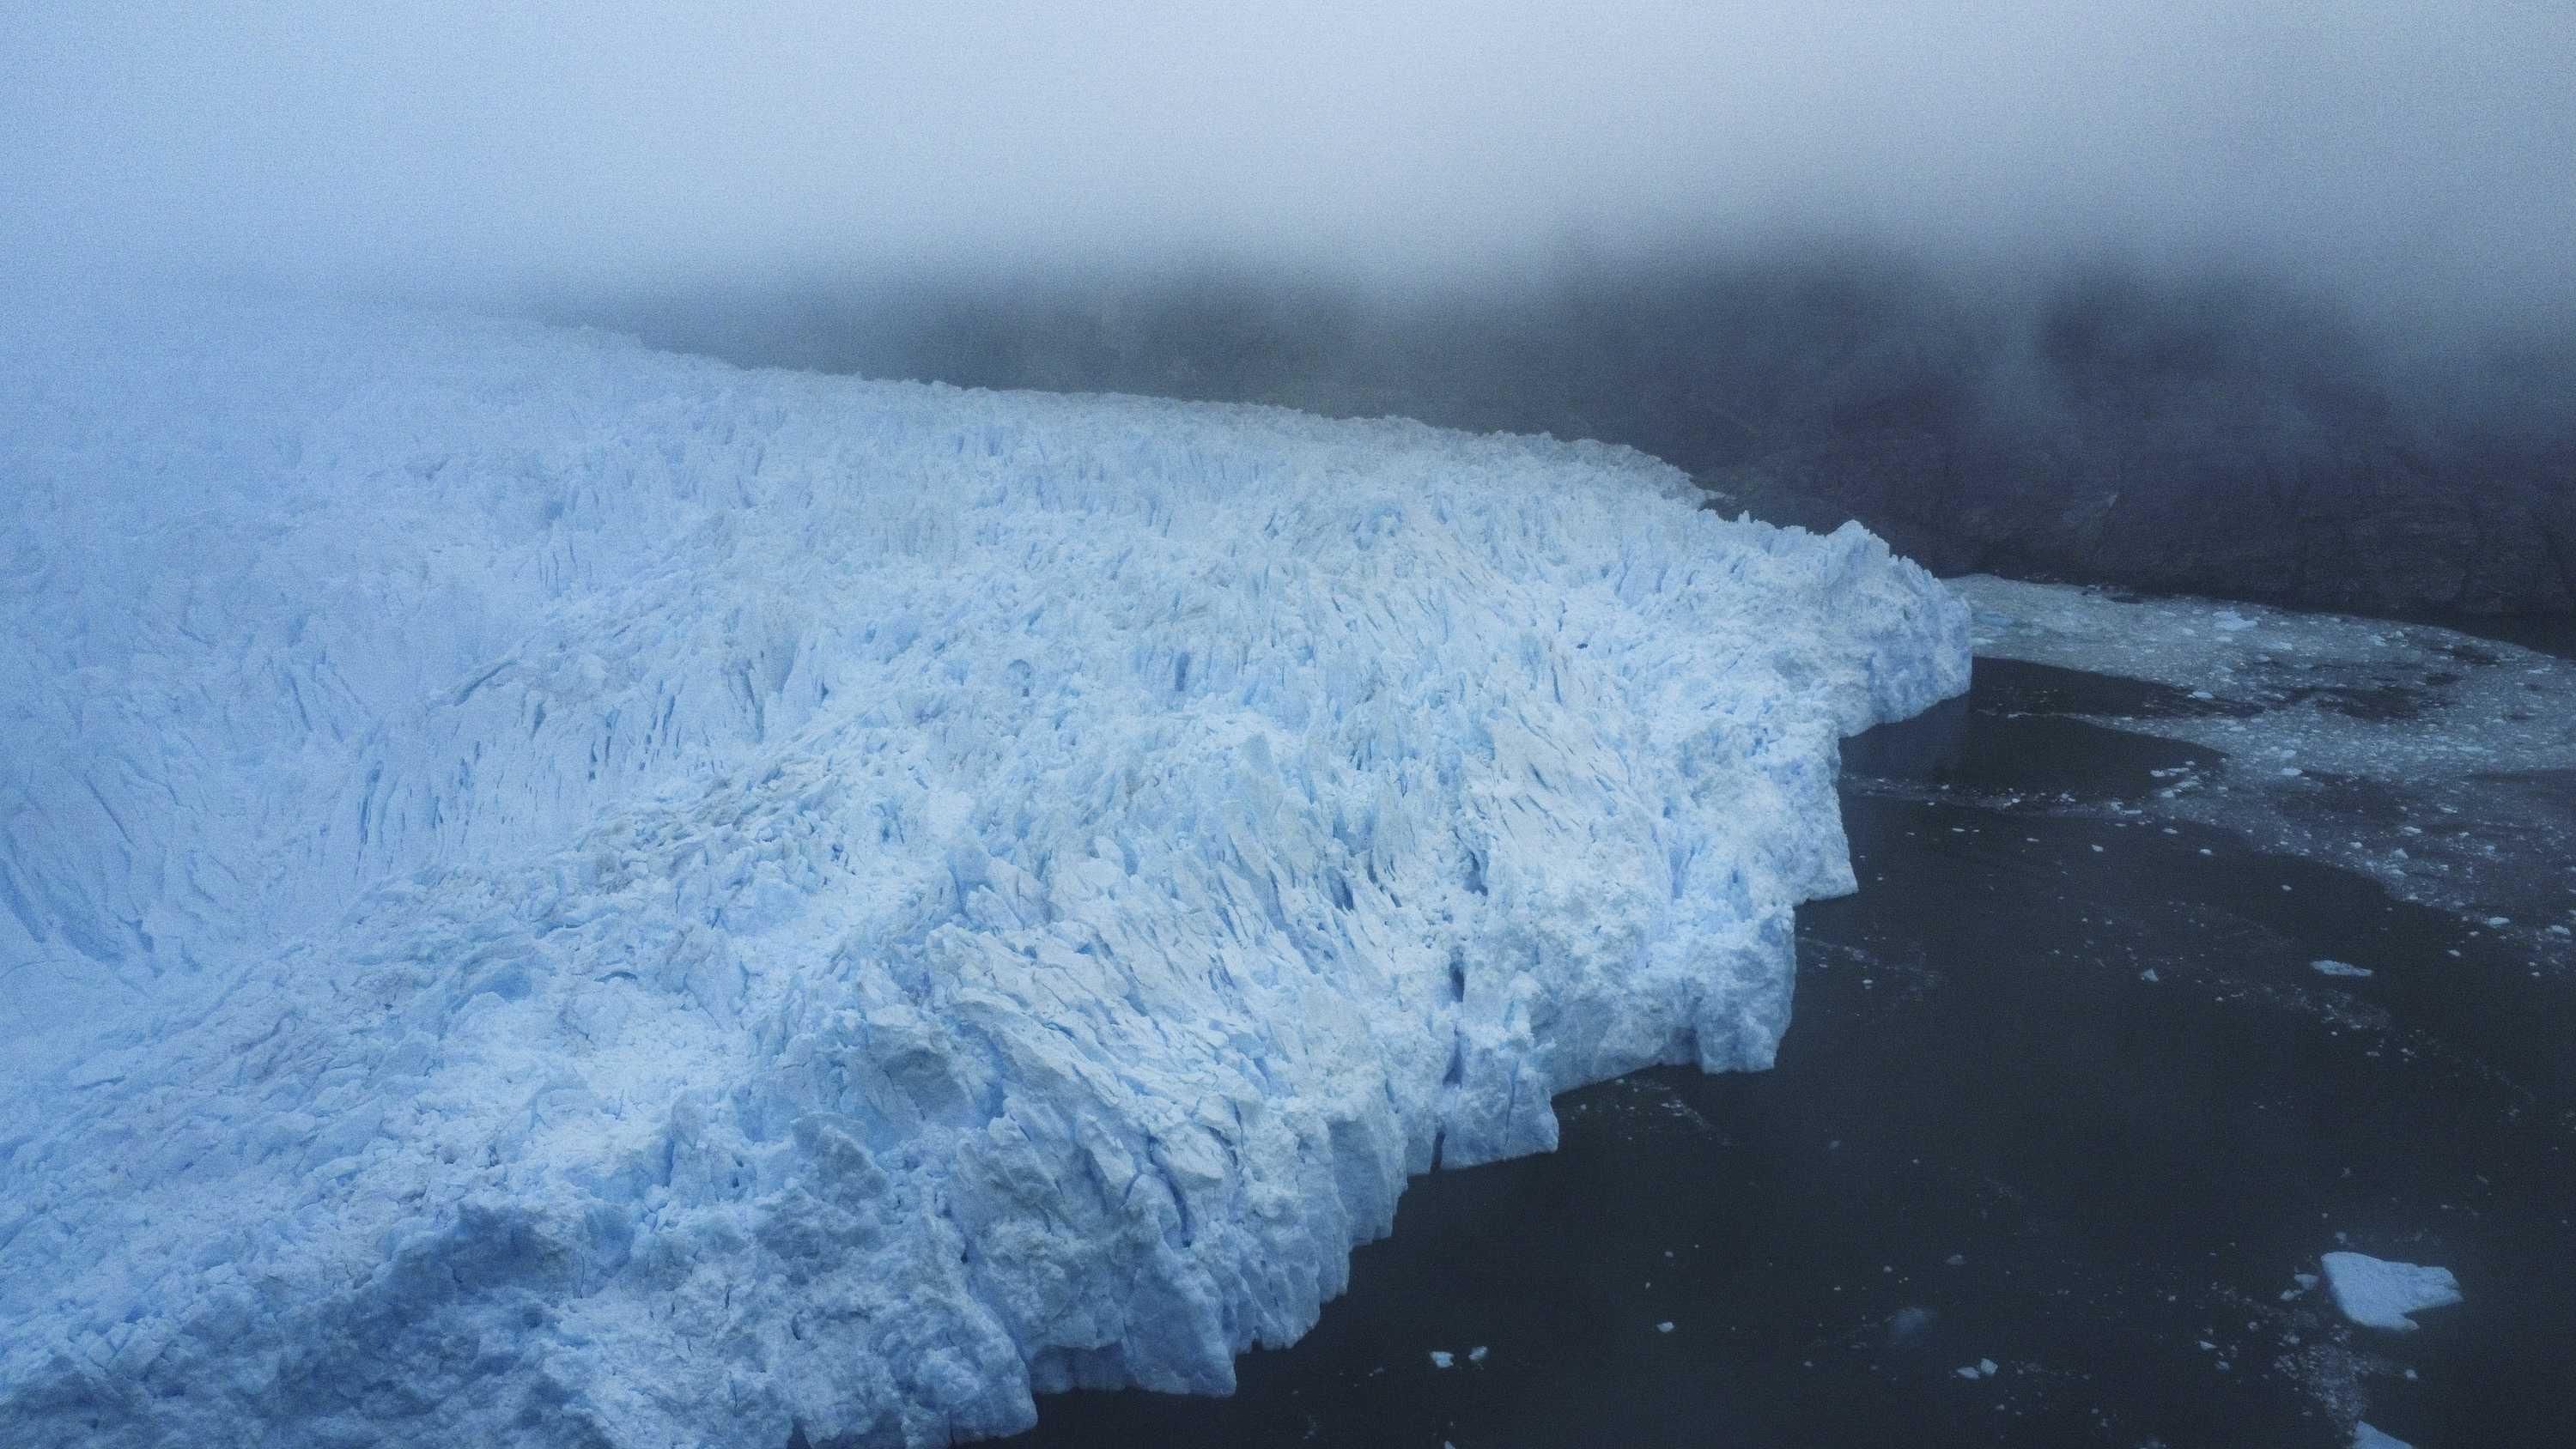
(2442, 764)
(2376, 1293)
(556, 894)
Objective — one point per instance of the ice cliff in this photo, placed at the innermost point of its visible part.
(557, 895)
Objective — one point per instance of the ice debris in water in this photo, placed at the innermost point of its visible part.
(2338, 968)
(2415, 721)
(2376, 1293)
(577, 895)
(2366, 1437)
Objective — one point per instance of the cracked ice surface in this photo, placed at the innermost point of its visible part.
(559, 894)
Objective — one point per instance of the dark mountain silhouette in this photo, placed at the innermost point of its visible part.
(2213, 433)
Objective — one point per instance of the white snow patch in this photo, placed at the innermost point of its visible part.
(562, 893)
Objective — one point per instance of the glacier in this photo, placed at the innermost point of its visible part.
(554, 894)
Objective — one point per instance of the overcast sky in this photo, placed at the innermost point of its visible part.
(2419, 148)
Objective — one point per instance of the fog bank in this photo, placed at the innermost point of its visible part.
(2272, 299)
(2416, 156)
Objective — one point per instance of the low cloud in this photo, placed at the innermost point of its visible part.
(2421, 157)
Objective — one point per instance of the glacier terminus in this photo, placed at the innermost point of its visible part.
(555, 894)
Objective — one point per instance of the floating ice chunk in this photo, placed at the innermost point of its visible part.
(1442, 1358)
(1664, 1327)
(2232, 621)
(2338, 968)
(2376, 1293)
(1986, 1366)
(1477, 1354)
(2366, 1437)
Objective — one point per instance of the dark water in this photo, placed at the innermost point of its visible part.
(1989, 1137)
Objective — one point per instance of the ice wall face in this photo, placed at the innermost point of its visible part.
(578, 896)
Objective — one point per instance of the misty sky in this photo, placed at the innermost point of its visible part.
(2414, 148)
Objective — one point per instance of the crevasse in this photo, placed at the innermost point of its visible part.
(557, 895)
